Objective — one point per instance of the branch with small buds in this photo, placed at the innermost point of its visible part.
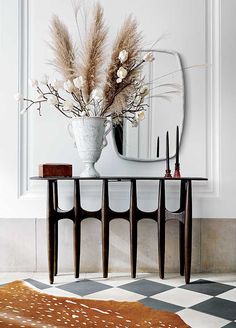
(71, 97)
(67, 96)
(120, 94)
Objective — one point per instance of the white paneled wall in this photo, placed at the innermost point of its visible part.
(203, 33)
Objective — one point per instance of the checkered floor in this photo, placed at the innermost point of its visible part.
(209, 301)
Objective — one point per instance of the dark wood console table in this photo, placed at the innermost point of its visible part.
(133, 215)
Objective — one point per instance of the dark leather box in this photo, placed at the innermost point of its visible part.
(55, 170)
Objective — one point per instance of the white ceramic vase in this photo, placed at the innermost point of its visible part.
(89, 134)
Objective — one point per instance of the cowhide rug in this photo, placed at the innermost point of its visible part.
(22, 306)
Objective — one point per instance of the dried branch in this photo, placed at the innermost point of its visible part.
(128, 39)
(64, 51)
(93, 53)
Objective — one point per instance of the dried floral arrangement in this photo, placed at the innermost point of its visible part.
(84, 91)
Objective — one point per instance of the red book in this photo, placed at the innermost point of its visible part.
(55, 170)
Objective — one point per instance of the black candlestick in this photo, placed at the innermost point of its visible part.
(177, 145)
(167, 151)
(168, 171)
(177, 165)
(158, 146)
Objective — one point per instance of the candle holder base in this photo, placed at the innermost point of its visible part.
(168, 174)
(177, 171)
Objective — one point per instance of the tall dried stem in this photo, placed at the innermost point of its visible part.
(115, 94)
(64, 50)
(93, 53)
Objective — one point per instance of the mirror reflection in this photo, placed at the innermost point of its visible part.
(166, 111)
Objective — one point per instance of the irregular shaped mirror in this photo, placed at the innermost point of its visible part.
(166, 111)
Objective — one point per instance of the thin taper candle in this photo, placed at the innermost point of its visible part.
(158, 145)
(177, 145)
(177, 166)
(167, 152)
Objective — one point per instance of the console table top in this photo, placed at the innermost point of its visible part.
(119, 178)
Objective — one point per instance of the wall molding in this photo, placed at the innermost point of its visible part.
(212, 107)
(23, 76)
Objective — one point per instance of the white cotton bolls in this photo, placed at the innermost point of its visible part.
(148, 57)
(52, 100)
(69, 86)
(123, 56)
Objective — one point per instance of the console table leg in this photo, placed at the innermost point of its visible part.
(77, 227)
(161, 228)
(133, 227)
(55, 205)
(188, 231)
(105, 228)
(77, 238)
(55, 248)
(181, 227)
(181, 248)
(51, 231)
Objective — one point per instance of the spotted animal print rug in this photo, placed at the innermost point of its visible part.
(23, 307)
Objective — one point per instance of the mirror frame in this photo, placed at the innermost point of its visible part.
(181, 71)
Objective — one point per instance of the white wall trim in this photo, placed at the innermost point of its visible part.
(212, 37)
(23, 75)
(213, 44)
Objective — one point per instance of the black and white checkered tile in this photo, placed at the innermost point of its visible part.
(206, 302)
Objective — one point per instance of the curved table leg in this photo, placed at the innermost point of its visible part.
(161, 228)
(181, 248)
(105, 228)
(51, 232)
(188, 232)
(77, 227)
(133, 227)
(181, 227)
(55, 206)
(55, 248)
